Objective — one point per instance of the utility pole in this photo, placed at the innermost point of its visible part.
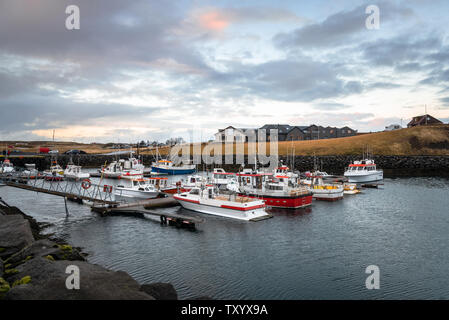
(426, 113)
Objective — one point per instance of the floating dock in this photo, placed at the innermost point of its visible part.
(142, 208)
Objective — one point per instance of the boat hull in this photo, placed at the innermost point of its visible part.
(294, 202)
(77, 176)
(370, 177)
(223, 210)
(175, 190)
(172, 171)
(135, 194)
(325, 195)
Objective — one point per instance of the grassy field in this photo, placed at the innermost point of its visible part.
(429, 140)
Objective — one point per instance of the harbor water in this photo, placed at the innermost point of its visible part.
(316, 253)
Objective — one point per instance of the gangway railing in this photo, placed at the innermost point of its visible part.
(84, 189)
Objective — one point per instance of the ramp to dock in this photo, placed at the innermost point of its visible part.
(73, 190)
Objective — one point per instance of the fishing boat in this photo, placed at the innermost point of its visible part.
(30, 171)
(207, 200)
(168, 167)
(363, 171)
(326, 191)
(112, 170)
(276, 191)
(123, 167)
(55, 173)
(74, 172)
(7, 167)
(350, 188)
(136, 189)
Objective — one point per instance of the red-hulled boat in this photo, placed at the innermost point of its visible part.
(277, 191)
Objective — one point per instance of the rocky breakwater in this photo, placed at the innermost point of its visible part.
(33, 266)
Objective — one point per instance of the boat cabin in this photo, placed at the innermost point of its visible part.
(158, 182)
(362, 165)
(222, 177)
(138, 184)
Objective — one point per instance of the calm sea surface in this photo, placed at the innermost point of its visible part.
(317, 253)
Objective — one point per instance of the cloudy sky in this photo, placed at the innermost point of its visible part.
(158, 69)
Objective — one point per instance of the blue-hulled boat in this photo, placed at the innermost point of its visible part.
(167, 167)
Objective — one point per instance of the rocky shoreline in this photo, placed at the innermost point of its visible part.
(34, 267)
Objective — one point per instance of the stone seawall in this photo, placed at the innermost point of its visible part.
(392, 165)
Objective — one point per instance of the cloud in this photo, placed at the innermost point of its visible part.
(218, 19)
(339, 29)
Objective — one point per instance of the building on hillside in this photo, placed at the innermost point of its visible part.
(392, 127)
(423, 120)
(285, 132)
(282, 130)
(235, 134)
(296, 133)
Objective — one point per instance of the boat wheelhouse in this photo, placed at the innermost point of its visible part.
(74, 172)
(223, 179)
(363, 171)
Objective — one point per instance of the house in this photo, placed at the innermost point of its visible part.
(423, 121)
(282, 130)
(233, 134)
(285, 132)
(295, 133)
(346, 132)
(392, 127)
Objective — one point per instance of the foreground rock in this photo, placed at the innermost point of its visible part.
(160, 291)
(48, 282)
(36, 270)
(15, 234)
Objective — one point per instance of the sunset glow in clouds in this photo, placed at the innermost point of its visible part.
(154, 70)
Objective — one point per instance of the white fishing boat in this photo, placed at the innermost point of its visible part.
(112, 170)
(75, 173)
(55, 173)
(326, 191)
(122, 167)
(363, 171)
(135, 189)
(30, 171)
(207, 200)
(7, 167)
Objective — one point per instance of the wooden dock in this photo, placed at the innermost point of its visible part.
(142, 208)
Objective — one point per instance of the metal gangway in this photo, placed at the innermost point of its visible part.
(82, 190)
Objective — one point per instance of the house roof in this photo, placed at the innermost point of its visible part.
(282, 128)
(243, 130)
(420, 120)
